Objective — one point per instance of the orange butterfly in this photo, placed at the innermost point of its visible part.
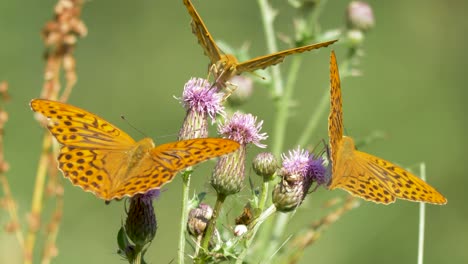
(362, 174)
(226, 66)
(104, 160)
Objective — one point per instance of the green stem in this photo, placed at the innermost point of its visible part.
(139, 252)
(282, 219)
(268, 16)
(317, 115)
(184, 214)
(275, 235)
(210, 229)
(321, 108)
(283, 106)
(253, 228)
(263, 195)
(314, 17)
(279, 132)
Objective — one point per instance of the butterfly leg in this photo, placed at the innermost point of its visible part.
(230, 88)
(219, 83)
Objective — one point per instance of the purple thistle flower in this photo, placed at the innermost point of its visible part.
(297, 161)
(316, 171)
(229, 173)
(243, 129)
(200, 102)
(300, 169)
(359, 15)
(198, 96)
(151, 194)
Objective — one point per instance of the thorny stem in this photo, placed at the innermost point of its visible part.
(183, 218)
(37, 200)
(210, 229)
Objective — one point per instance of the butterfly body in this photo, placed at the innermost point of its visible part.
(364, 175)
(226, 66)
(102, 159)
(224, 69)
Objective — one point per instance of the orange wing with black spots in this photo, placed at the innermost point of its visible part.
(102, 159)
(361, 174)
(225, 66)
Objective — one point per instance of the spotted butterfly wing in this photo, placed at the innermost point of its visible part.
(225, 66)
(271, 59)
(203, 35)
(365, 175)
(104, 160)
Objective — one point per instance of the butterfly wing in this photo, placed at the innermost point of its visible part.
(275, 58)
(335, 119)
(78, 128)
(204, 37)
(95, 170)
(397, 181)
(161, 164)
(352, 173)
(380, 181)
(94, 152)
(362, 174)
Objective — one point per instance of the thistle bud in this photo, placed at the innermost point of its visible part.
(265, 164)
(141, 224)
(289, 193)
(198, 219)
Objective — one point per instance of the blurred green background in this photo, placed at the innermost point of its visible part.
(139, 54)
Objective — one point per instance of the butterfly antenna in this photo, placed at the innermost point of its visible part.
(132, 126)
(326, 149)
(258, 75)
